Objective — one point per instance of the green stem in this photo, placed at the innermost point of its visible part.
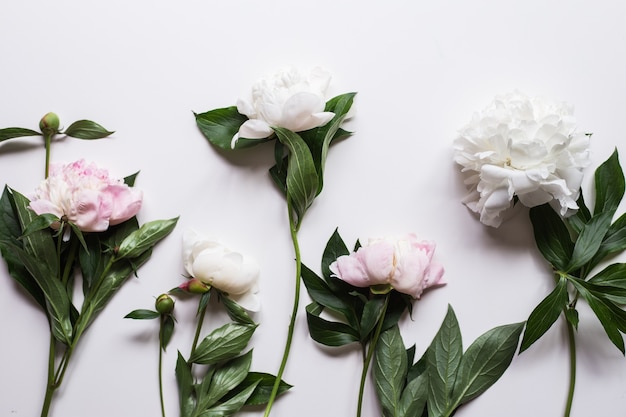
(370, 354)
(47, 139)
(296, 300)
(161, 365)
(50, 385)
(572, 367)
(196, 337)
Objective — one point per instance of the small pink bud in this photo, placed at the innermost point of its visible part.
(195, 286)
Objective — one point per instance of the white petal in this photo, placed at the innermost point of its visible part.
(255, 129)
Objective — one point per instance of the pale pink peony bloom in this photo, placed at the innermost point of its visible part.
(214, 264)
(84, 195)
(403, 263)
(290, 99)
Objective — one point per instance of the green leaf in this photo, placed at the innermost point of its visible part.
(609, 185)
(328, 333)
(611, 317)
(443, 358)
(614, 241)
(220, 125)
(545, 314)
(485, 361)
(225, 378)
(413, 399)
(230, 406)
(223, 343)
(10, 231)
(372, 313)
(578, 220)
(145, 238)
(143, 314)
(589, 240)
(264, 384)
(278, 172)
(390, 368)
(613, 276)
(86, 129)
(167, 330)
(235, 311)
(130, 180)
(302, 180)
(551, 236)
(43, 221)
(335, 247)
(16, 132)
(184, 378)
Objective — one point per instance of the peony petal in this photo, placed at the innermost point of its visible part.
(297, 111)
(348, 268)
(126, 202)
(255, 129)
(378, 259)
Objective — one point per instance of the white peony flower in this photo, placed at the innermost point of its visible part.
(217, 266)
(522, 147)
(288, 99)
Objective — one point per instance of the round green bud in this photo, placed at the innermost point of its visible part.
(49, 124)
(164, 304)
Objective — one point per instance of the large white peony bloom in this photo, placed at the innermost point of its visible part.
(289, 99)
(522, 147)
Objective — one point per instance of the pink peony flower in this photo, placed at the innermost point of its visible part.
(403, 263)
(84, 195)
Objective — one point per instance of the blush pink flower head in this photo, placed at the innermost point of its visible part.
(86, 196)
(403, 263)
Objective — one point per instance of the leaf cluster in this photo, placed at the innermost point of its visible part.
(300, 157)
(358, 311)
(574, 247)
(444, 378)
(43, 263)
(227, 384)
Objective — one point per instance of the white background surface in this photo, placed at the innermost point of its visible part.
(420, 68)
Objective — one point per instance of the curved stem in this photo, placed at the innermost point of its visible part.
(196, 337)
(370, 354)
(292, 322)
(162, 319)
(572, 365)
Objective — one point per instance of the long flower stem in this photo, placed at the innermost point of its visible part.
(572, 365)
(292, 322)
(196, 337)
(47, 139)
(50, 385)
(162, 320)
(370, 354)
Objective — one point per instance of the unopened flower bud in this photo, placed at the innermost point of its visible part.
(49, 124)
(195, 286)
(164, 304)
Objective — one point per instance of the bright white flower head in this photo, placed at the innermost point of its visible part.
(524, 147)
(290, 99)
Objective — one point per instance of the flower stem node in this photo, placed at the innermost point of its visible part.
(49, 124)
(164, 304)
(195, 286)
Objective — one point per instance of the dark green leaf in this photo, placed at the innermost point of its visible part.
(607, 313)
(79, 235)
(545, 314)
(589, 240)
(578, 220)
(390, 368)
(223, 343)
(609, 184)
(372, 313)
(614, 241)
(130, 180)
(16, 132)
(204, 301)
(335, 247)
(10, 231)
(145, 238)
(413, 399)
(264, 385)
(326, 332)
(279, 171)
(551, 236)
(443, 359)
(143, 314)
(613, 276)
(302, 178)
(235, 311)
(485, 361)
(225, 378)
(220, 125)
(167, 330)
(231, 406)
(86, 129)
(571, 314)
(184, 378)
